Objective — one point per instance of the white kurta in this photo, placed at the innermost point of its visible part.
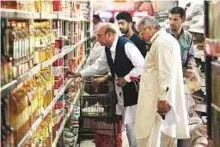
(162, 71)
(95, 53)
(101, 66)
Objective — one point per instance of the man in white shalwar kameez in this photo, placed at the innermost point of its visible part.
(161, 87)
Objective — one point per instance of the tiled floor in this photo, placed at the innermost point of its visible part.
(89, 143)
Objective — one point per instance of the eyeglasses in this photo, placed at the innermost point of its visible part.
(100, 35)
(143, 31)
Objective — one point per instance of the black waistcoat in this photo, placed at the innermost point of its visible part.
(121, 67)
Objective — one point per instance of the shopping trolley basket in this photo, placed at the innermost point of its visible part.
(97, 109)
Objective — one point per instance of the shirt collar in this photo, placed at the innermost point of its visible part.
(155, 35)
(113, 47)
(182, 33)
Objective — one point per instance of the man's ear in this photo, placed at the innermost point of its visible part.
(130, 24)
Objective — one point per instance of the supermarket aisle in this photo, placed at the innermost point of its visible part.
(89, 143)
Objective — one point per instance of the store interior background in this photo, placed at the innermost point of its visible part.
(40, 104)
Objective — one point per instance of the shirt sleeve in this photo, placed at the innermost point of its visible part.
(95, 53)
(99, 67)
(164, 60)
(137, 60)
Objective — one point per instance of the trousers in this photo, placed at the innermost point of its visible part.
(131, 135)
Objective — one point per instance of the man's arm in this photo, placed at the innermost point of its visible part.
(164, 63)
(137, 60)
(99, 67)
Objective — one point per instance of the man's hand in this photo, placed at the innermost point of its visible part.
(163, 107)
(97, 81)
(71, 74)
(121, 82)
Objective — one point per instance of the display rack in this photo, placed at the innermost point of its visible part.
(43, 115)
(65, 120)
(75, 27)
(212, 53)
(19, 14)
(76, 95)
(67, 49)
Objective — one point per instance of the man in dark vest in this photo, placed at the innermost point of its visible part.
(125, 24)
(124, 60)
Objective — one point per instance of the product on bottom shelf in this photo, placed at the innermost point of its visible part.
(28, 100)
(71, 129)
(63, 105)
(42, 135)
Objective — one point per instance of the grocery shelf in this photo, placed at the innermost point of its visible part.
(200, 108)
(48, 16)
(67, 49)
(76, 95)
(196, 30)
(18, 14)
(44, 114)
(80, 19)
(199, 54)
(215, 107)
(8, 85)
(212, 47)
(63, 17)
(82, 0)
(65, 120)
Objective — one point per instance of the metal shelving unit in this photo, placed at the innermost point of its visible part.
(59, 133)
(67, 49)
(65, 22)
(43, 114)
(19, 14)
(212, 54)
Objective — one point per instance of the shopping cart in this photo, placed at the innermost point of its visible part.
(97, 110)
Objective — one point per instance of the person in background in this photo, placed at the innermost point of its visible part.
(177, 16)
(125, 25)
(96, 23)
(97, 49)
(124, 60)
(163, 71)
(112, 20)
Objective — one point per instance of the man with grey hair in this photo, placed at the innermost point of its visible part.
(125, 61)
(163, 70)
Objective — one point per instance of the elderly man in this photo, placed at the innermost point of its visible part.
(124, 60)
(161, 87)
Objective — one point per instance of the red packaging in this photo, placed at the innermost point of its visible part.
(58, 62)
(56, 5)
(57, 84)
(58, 44)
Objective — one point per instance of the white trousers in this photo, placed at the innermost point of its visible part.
(131, 135)
(154, 138)
(129, 117)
